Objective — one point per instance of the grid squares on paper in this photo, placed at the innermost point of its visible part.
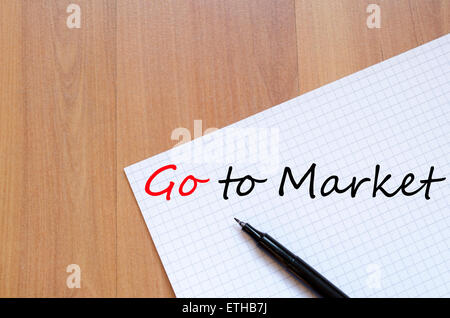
(396, 114)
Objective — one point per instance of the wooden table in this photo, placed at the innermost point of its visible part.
(79, 105)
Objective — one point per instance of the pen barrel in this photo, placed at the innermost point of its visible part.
(300, 268)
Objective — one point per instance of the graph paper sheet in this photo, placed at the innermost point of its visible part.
(395, 114)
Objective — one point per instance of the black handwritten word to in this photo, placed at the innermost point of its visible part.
(241, 181)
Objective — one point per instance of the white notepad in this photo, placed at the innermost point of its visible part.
(395, 114)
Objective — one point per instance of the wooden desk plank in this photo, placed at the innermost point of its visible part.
(431, 19)
(62, 199)
(217, 61)
(12, 146)
(334, 40)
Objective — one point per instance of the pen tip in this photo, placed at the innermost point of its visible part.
(239, 222)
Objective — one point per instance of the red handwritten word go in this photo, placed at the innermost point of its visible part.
(168, 190)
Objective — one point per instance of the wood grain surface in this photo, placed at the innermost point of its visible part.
(79, 105)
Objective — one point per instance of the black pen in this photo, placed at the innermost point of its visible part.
(294, 263)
